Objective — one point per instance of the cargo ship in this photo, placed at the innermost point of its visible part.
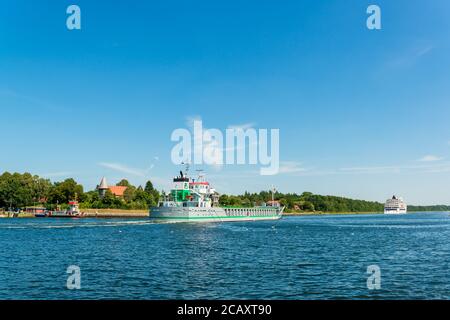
(195, 200)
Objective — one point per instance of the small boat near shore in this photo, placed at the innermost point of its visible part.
(72, 212)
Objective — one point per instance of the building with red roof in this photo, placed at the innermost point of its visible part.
(117, 191)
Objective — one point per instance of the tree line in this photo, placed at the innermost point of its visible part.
(309, 202)
(305, 202)
(25, 190)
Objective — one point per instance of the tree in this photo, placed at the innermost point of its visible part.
(111, 201)
(141, 195)
(308, 206)
(63, 192)
(129, 194)
(123, 183)
(224, 200)
(41, 189)
(149, 187)
(20, 190)
(153, 194)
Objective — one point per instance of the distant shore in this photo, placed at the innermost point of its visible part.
(342, 213)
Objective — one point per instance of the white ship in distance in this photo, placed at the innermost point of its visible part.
(395, 206)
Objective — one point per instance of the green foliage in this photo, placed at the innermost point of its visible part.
(123, 183)
(135, 198)
(429, 208)
(307, 202)
(307, 206)
(63, 192)
(152, 192)
(234, 201)
(338, 204)
(21, 190)
(130, 193)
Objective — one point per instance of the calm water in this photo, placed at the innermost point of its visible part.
(312, 257)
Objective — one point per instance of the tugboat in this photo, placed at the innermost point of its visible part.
(196, 201)
(72, 212)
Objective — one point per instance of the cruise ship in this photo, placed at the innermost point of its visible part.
(194, 200)
(395, 206)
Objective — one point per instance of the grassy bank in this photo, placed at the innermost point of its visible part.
(92, 213)
(115, 213)
(20, 215)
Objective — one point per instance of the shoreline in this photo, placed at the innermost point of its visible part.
(115, 213)
(120, 213)
(95, 213)
(299, 214)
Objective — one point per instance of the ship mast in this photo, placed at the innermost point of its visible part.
(200, 175)
(186, 169)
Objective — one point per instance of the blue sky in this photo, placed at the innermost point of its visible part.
(361, 113)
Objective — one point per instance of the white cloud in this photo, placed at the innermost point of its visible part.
(410, 57)
(56, 174)
(430, 158)
(429, 166)
(423, 51)
(243, 126)
(123, 168)
(374, 169)
(291, 167)
(32, 101)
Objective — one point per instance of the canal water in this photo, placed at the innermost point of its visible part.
(310, 257)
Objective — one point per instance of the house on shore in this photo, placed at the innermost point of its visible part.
(273, 203)
(117, 191)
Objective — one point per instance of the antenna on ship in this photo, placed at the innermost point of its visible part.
(273, 194)
(186, 168)
(200, 175)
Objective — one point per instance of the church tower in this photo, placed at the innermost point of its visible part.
(102, 188)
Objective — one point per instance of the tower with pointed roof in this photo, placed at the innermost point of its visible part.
(102, 187)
